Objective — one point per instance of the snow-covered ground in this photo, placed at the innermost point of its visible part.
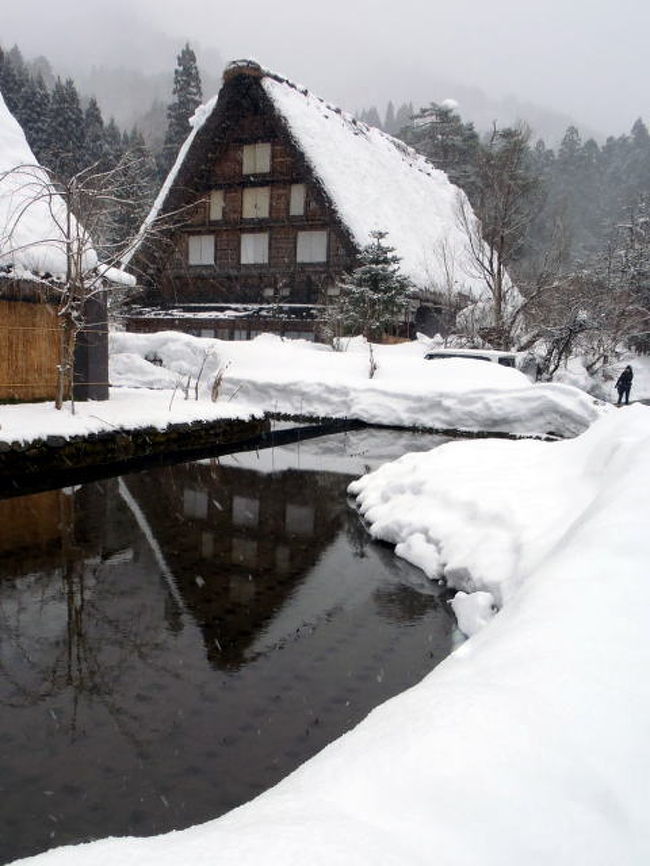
(529, 743)
(302, 378)
(128, 409)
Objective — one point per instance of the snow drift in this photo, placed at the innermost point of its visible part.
(306, 379)
(529, 743)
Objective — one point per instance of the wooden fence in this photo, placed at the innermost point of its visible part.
(29, 350)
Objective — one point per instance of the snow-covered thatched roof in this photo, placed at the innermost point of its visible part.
(32, 214)
(34, 227)
(376, 182)
(372, 180)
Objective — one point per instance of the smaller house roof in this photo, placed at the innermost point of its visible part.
(34, 216)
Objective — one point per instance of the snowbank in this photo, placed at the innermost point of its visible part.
(32, 214)
(297, 377)
(529, 743)
(127, 409)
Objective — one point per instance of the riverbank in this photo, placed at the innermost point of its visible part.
(42, 447)
(529, 743)
(388, 385)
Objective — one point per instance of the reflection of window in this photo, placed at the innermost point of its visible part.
(256, 158)
(299, 519)
(243, 551)
(242, 589)
(297, 200)
(216, 205)
(256, 202)
(255, 248)
(207, 545)
(312, 247)
(200, 250)
(282, 558)
(195, 503)
(245, 511)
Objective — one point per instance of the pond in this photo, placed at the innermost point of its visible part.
(175, 641)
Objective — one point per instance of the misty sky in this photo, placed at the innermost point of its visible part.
(586, 58)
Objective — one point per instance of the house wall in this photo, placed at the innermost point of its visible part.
(29, 350)
(244, 116)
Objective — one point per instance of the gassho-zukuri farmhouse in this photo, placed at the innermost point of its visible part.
(272, 196)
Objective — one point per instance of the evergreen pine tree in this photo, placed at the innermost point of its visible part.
(403, 117)
(113, 142)
(96, 151)
(12, 80)
(187, 98)
(36, 117)
(389, 121)
(452, 146)
(374, 296)
(65, 130)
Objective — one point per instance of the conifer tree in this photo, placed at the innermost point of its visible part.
(35, 116)
(187, 98)
(374, 296)
(65, 130)
(96, 151)
(452, 145)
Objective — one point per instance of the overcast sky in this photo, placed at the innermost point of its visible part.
(586, 58)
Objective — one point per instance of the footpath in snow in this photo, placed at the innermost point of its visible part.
(306, 379)
(529, 743)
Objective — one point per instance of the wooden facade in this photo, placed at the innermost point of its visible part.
(29, 350)
(30, 347)
(255, 225)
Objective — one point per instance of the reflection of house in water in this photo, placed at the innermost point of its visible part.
(238, 541)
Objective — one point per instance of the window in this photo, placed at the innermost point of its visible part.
(255, 248)
(299, 519)
(243, 551)
(312, 247)
(256, 158)
(297, 199)
(216, 205)
(195, 503)
(200, 250)
(255, 202)
(207, 545)
(207, 332)
(245, 511)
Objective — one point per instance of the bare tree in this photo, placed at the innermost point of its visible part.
(496, 227)
(86, 221)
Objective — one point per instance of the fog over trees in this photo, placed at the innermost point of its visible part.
(566, 217)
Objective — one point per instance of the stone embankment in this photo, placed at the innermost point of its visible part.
(58, 460)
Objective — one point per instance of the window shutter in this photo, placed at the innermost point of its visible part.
(200, 250)
(256, 158)
(216, 205)
(311, 247)
(256, 202)
(255, 248)
(297, 201)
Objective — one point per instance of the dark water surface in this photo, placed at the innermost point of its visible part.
(174, 642)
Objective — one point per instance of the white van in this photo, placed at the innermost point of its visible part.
(495, 356)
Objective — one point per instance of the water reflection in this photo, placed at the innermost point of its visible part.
(173, 642)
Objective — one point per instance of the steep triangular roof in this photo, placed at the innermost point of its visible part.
(32, 214)
(373, 181)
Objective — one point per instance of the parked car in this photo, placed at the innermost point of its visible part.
(506, 359)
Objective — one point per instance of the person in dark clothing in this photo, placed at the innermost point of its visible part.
(623, 385)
